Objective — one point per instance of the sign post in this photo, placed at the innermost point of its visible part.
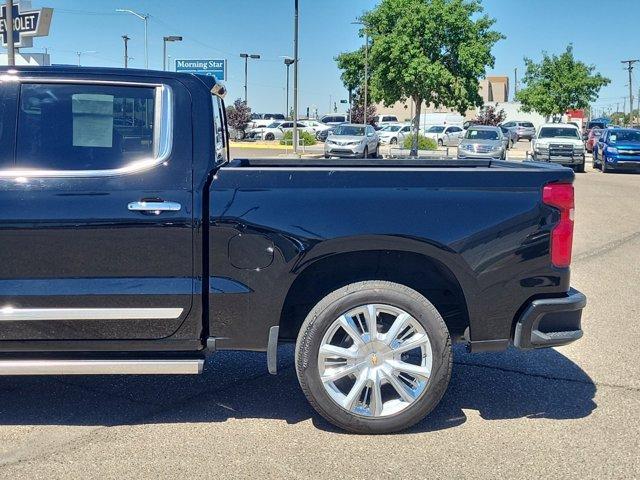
(215, 67)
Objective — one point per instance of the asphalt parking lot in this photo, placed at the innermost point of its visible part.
(571, 412)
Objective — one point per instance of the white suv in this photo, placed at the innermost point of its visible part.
(560, 143)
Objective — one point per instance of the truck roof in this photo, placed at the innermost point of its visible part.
(71, 70)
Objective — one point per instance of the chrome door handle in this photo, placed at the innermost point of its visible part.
(154, 207)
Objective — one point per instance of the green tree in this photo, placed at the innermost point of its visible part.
(559, 83)
(426, 50)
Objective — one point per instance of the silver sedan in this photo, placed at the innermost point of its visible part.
(483, 142)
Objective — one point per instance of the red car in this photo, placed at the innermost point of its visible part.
(592, 138)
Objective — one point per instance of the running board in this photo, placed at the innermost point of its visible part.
(101, 367)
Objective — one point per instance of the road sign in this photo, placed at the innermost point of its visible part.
(217, 67)
(27, 24)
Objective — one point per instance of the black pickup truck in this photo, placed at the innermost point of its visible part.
(130, 243)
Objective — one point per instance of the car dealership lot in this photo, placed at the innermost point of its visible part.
(568, 412)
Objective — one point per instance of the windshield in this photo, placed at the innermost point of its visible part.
(559, 132)
(435, 129)
(477, 134)
(624, 136)
(391, 128)
(350, 130)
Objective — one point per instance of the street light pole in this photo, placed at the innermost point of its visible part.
(126, 39)
(288, 62)
(79, 54)
(11, 51)
(246, 57)
(145, 18)
(170, 38)
(295, 78)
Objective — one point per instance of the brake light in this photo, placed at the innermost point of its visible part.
(560, 196)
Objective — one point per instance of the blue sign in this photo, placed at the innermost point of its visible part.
(26, 24)
(204, 67)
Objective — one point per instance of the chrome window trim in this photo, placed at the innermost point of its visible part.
(10, 314)
(162, 140)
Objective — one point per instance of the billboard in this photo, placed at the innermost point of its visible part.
(217, 67)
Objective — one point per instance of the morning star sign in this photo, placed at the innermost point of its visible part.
(27, 23)
(204, 67)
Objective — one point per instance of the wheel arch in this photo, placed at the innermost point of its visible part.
(424, 273)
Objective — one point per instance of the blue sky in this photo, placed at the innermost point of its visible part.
(224, 28)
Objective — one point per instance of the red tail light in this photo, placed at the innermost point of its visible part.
(560, 196)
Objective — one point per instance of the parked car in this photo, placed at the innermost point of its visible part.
(524, 130)
(322, 135)
(334, 119)
(617, 149)
(592, 138)
(560, 143)
(276, 130)
(315, 126)
(394, 134)
(510, 134)
(146, 256)
(380, 121)
(483, 141)
(445, 135)
(352, 140)
(264, 119)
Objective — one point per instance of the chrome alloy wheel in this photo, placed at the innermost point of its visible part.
(375, 360)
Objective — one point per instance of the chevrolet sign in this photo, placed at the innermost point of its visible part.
(26, 24)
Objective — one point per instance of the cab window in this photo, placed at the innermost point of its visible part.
(219, 136)
(84, 127)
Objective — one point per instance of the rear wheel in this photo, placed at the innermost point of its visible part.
(269, 136)
(374, 357)
(440, 143)
(365, 153)
(393, 141)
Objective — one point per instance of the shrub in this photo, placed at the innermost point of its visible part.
(306, 138)
(424, 143)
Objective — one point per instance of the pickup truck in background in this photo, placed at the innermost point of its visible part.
(132, 244)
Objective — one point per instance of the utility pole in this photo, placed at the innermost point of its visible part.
(246, 57)
(515, 83)
(366, 67)
(295, 78)
(630, 64)
(11, 51)
(126, 39)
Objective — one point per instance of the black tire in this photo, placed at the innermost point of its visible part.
(365, 152)
(440, 143)
(580, 168)
(393, 141)
(344, 299)
(269, 136)
(603, 164)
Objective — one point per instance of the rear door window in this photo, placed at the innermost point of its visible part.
(84, 127)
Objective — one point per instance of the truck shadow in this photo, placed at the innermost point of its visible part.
(510, 385)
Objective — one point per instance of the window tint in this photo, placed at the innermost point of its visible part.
(527, 124)
(84, 127)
